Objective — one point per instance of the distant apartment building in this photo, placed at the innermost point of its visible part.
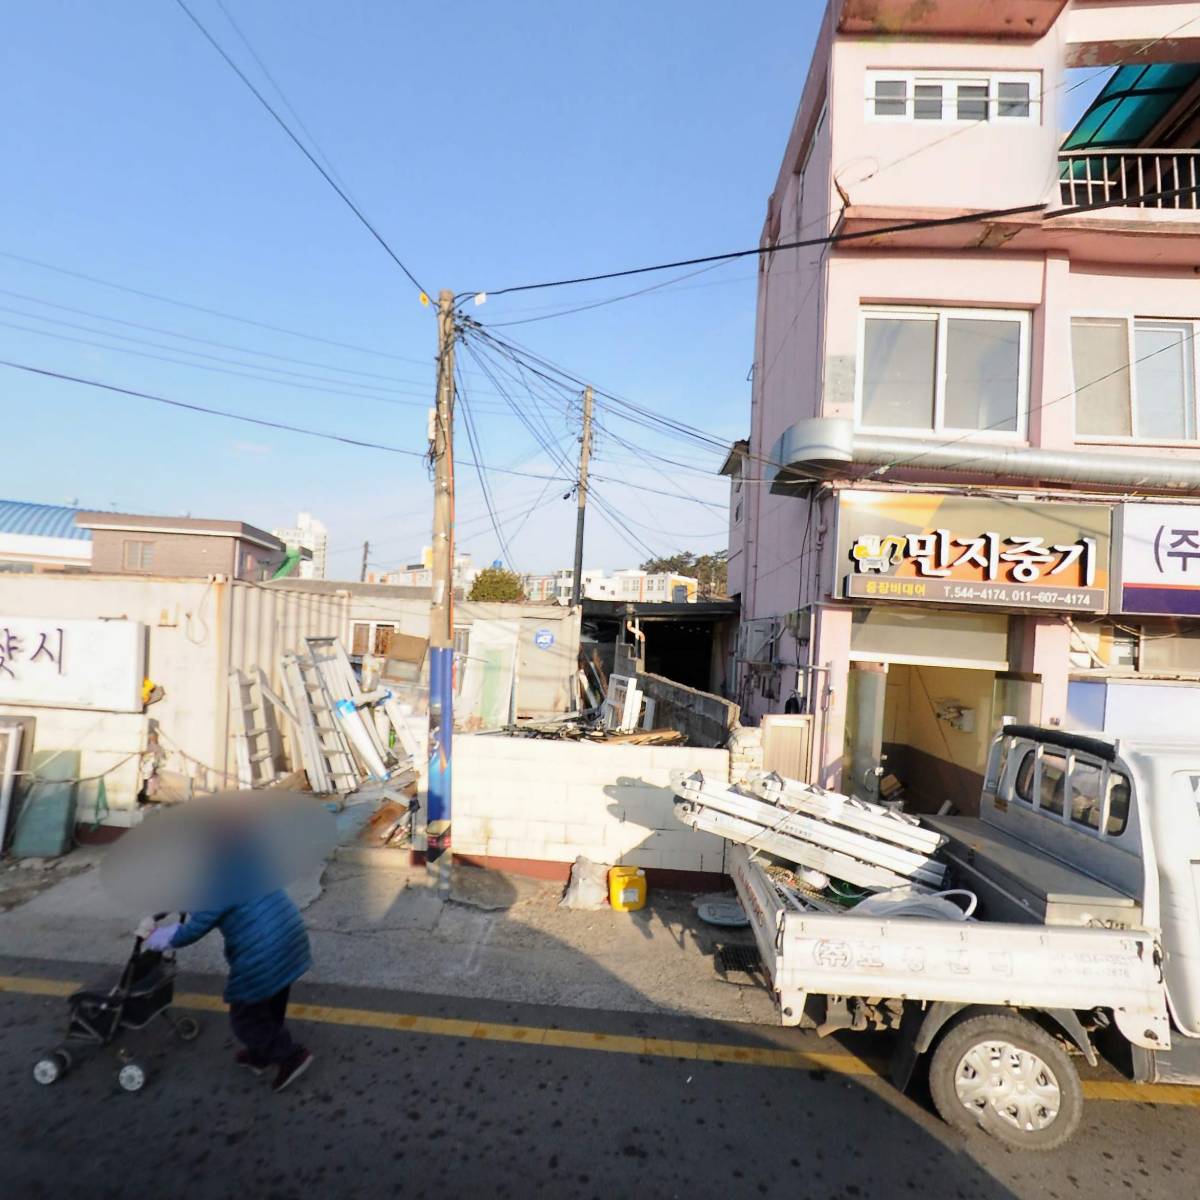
(180, 547)
(420, 574)
(632, 585)
(311, 535)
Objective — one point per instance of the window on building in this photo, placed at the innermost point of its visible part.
(360, 637)
(967, 97)
(138, 556)
(383, 638)
(1135, 378)
(945, 369)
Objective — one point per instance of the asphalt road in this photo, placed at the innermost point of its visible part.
(419, 1096)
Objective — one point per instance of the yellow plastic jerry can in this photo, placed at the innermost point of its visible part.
(627, 888)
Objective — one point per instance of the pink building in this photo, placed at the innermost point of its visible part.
(957, 403)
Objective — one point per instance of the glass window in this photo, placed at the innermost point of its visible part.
(1054, 784)
(1118, 804)
(1013, 100)
(137, 556)
(954, 369)
(983, 372)
(1166, 406)
(967, 97)
(1155, 400)
(383, 638)
(1086, 794)
(972, 101)
(1100, 353)
(927, 102)
(898, 372)
(891, 98)
(1024, 785)
(361, 638)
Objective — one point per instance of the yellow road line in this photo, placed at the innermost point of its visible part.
(840, 1062)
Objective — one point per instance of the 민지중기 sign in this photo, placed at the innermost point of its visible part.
(973, 551)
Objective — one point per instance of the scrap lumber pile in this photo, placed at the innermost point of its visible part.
(819, 833)
(624, 717)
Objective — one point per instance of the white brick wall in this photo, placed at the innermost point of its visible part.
(552, 801)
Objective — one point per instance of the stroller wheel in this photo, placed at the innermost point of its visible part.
(186, 1029)
(132, 1077)
(52, 1068)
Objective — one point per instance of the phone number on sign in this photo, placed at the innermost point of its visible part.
(1017, 595)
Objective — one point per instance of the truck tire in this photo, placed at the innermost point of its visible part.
(1002, 1073)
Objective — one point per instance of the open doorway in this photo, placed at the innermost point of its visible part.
(928, 726)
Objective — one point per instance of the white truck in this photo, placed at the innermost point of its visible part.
(1086, 862)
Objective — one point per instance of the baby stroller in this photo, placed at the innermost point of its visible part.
(95, 1016)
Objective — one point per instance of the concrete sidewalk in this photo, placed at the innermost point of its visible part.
(499, 937)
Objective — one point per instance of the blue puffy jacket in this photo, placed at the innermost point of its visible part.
(266, 944)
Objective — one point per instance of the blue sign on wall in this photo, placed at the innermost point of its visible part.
(543, 639)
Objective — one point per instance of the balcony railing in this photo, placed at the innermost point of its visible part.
(1166, 179)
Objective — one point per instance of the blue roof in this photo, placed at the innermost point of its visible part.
(41, 520)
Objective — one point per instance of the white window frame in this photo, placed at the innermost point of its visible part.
(1131, 322)
(949, 81)
(941, 314)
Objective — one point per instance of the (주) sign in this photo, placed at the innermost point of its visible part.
(966, 550)
(1158, 559)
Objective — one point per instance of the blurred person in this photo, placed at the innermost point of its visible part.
(266, 947)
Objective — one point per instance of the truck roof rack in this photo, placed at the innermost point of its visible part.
(1068, 741)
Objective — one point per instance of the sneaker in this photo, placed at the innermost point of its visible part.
(244, 1058)
(292, 1068)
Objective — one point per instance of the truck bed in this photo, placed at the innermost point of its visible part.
(1024, 964)
(1016, 882)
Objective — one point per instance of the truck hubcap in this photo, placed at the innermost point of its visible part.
(1014, 1084)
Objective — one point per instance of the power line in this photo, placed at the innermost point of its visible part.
(212, 41)
(835, 239)
(234, 416)
(188, 337)
(158, 297)
(473, 442)
(64, 337)
(262, 66)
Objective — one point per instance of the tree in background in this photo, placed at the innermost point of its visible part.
(710, 570)
(495, 583)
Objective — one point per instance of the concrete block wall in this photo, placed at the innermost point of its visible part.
(707, 720)
(545, 802)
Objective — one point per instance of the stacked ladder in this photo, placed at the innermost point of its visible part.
(863, 844)
(327, 757)
(256, 741)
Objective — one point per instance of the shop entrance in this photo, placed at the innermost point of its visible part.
(927, 691)
(926, 727)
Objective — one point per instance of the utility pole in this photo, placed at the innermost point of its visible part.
(441, 610)
(362, 575)
(585, 453)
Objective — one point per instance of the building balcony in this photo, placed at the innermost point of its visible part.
(1165, 180)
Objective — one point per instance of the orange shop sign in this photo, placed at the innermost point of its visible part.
(967, 550)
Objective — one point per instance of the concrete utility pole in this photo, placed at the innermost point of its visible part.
(585, 453)
(362, 575)
(441, 610)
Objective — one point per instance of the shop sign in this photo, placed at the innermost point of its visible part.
(1158, 559)
(970, 550)
(55, 663)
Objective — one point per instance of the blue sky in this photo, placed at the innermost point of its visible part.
(492, 144)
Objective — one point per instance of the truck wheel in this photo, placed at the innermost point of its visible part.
(1009, 1077)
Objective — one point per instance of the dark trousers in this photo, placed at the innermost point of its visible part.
(260, 1027)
